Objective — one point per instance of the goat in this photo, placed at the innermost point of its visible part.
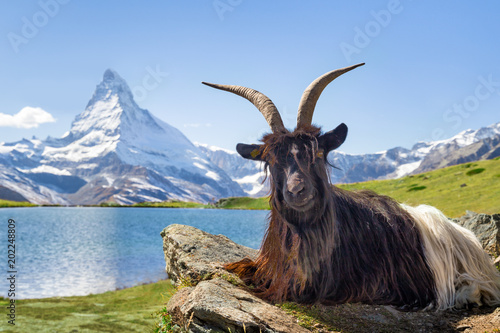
(327, 245)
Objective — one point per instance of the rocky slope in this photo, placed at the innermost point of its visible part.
(248, 174)
(453, 154)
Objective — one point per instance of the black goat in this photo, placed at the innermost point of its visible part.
(328, 245)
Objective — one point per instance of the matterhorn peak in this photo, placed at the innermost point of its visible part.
(111, 75)
(112, 86)
(111, 107)
(112, 80)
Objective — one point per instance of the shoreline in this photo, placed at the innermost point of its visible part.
(162, 281)
(233, 203)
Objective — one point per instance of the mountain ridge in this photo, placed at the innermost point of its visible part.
(388, 164)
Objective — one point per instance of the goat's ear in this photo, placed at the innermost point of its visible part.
(333, 139)
(251, 152)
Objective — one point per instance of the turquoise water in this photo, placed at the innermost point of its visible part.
(66, 251)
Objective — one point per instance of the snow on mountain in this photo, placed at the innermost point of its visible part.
(114, 151)
(398, 162)
(469, 136)
(248, 174)
(464, 147)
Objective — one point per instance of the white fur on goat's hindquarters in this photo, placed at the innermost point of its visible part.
(462, 270)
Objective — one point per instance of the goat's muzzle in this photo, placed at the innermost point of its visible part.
(298, 193)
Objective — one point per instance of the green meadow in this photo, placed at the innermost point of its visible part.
(170, 204)
(8, 203)
(127, 310)
(471, 186)
(243, 203)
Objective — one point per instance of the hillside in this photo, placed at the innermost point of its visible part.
(471, 186)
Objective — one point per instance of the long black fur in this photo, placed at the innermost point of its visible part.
(351, 247)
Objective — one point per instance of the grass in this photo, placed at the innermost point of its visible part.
(226, 203)
(453, 190)
(243, 203)
(171, 204)
(8, 203)
(343, 318)
(474, 171)
(308, 316)
(126, 310)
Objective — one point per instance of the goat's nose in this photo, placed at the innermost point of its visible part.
(295, 187)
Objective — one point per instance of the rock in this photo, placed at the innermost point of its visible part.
(486, 228)
(192, 253)
(220, 306)
(212, 304)
(215, 304)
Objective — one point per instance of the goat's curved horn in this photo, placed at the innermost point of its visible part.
(261, 101)
(312, 93)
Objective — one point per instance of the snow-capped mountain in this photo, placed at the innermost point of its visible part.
(466, 146)
(469, 145)
(248, 174)
(114, 151)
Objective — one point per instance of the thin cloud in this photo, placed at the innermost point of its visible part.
(28, 117)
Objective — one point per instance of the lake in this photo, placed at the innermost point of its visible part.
(69, 251)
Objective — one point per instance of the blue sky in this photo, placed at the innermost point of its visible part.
(432, 68)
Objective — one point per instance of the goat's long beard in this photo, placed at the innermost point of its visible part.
(297, 249)
(317, 243)
(306, 247)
